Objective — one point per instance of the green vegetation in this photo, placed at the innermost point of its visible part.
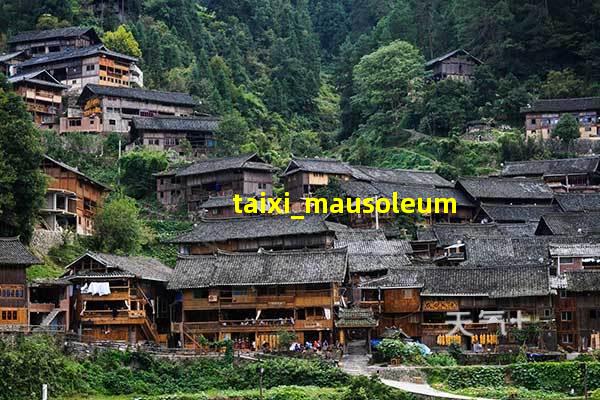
(28, 362)
(22, 184)
(122, 41)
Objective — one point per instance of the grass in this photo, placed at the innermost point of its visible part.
(507, 392)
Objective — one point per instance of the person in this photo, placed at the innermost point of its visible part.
(316, 345)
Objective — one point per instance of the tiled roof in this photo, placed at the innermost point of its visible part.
(516, 213)
(575, 250)
(448, 234)
(219, 230)
(9, 56)
(579, 224)
(505, 188)
(42, 78)
(578, 202)
(397, 278)
(152, 96)
(134, 266)
(582, 281)
(13, 252)
(321, 165)
(582, 165)
(451, 54)
(353, 235)
(245, 161)
(262, 268)
(564, 105)
(174, 123)
(68, 54)
(30, 36)
(496, 282)
(356, 318)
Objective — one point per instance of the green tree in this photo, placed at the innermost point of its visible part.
(118, 228)
(22, 183)
(567, 129)
(123, 41)
(447, 108)
(137, 168)
(563, 84)
(231, 134)
(386, 82)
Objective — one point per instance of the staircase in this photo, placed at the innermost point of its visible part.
(148, 327)
(50, 317)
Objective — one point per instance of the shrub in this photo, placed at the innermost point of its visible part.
(440, 360)
(467, 377)
(393, 348)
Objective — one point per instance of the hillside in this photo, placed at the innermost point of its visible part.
(287, 75)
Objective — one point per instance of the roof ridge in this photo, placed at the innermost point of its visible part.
(10, 238)
(305, 251)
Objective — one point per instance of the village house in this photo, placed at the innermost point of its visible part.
(49, 305)
(579, 175)
(542, 116)
(171, 132)
(42, 95)
(119, 298)
(72, 198)
(105, 109)
(513, 213)
(435, 304)
(53, 40)
(87, 65)
(222, 207)
(14, 261)
(251, 233)
(458, 64)
(251, 297)
(246, 174)
(9, 62)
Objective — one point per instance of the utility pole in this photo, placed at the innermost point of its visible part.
(119, 163)
(262, 371)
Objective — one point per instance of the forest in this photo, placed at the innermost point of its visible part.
(345, 78)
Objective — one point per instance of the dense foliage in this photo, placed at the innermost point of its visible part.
(22, 183)
(29, 362)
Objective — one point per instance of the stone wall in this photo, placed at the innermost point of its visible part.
(43, 240)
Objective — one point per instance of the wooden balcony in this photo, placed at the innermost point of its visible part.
(320, 298)
(261, 325)
(106, 317)
(117, 293)
(41, 307)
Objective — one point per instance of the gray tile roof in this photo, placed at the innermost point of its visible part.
(516, 213)
(398, 278)
(129, 266)
(497, 282)
(13, 252)
(176, 124)
(152, 96)
(51, 58)
(448, 234)
(575, 250)
(223, 201)
(582, 281)
(42, 78)
(564, 105)
(245, 161)
(578, 202)
(262, 268)
(579, 224)
(9, 56)
(526, 229)
(322, 165)
(505, 188)
(582, 165)
(356, 318)
(451, 54)
(353, 235)
(250, 227)
(30, 36)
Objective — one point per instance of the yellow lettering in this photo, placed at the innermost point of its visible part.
(275, 206)
(237, 201)
(368, 206)
(408, 205)
(383, 205)
(286, 203)
(395, 203)
(251, 207)
(420, 206)
(317, 204)
(447, 203)
(353, 203)
(337, 207)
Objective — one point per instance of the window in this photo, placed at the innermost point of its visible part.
(563, 293)
(533, 121)
(92, 121)
(74, 122)
(200, 293)
(547, 313)
(566, 338)
(74, 82)
(90, 67)
(566, 260)
(112, 122)
(407, 293)
(8, 315)
(566, 316)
